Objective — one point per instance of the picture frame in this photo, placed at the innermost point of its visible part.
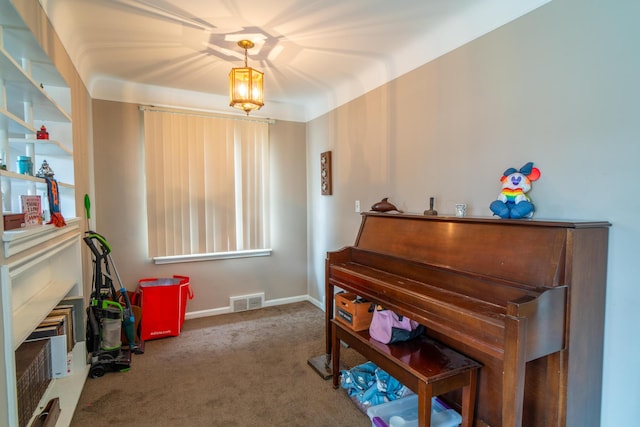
(325, 174)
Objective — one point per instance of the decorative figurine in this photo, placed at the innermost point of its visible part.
(42, 133)
(431, 211)
(384, 206)
(45, 171)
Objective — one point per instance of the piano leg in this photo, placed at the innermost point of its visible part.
(425, 394)
(514, 371)
(469, 399)
(328, 315)
(335, 365)
(322, 363)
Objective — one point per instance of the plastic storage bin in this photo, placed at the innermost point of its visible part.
(163, 303)
(404, 413)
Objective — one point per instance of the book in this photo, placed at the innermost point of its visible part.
(43, 332)
(67, 312)
(58, 321)
(53, 325)
(32, 208)
(78, 305)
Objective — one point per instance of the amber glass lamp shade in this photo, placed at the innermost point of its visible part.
(246, 89)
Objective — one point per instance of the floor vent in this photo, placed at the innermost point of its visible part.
(247, 302)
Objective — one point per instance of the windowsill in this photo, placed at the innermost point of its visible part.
(211, 256)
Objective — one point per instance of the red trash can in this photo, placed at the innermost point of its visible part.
(163, 302)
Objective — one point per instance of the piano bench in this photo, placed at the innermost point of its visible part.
(424, 365)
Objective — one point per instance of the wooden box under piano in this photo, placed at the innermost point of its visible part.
(353, 311)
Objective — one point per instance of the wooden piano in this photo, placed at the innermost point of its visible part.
(525, 298)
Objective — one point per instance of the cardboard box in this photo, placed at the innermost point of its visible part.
(13, 221)
(353, 311)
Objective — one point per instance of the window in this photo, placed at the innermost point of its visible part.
(207, 185)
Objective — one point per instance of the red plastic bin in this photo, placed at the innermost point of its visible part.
(163, 302)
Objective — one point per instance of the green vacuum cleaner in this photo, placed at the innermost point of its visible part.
(108, 312)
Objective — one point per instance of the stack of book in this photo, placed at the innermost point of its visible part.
(46, 354)
(59, 327)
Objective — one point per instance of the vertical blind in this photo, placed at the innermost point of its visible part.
(207, 183)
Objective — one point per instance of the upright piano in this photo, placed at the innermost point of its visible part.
(525, 298)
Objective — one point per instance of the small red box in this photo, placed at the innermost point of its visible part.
(13, 221)
(163, 303)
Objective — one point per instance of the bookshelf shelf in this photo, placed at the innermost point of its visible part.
(46, 147)
(22, 239)
(40, 265)
(30, 314)
(39, 281)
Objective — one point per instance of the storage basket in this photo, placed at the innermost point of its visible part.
(163, 302)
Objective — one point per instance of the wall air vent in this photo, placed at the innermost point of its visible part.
(246, 302)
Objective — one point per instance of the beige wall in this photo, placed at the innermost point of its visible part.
(558, 87)
(121, 215)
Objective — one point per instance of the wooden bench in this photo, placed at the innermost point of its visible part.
(424, 365)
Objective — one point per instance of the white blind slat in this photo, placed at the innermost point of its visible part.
(206, 180)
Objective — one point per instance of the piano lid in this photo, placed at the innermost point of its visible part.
(528, 252)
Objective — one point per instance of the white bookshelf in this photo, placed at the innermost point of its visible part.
(40, 265)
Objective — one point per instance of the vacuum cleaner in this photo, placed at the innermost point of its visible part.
(108, 313)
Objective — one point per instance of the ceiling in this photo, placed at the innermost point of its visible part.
(316, 54)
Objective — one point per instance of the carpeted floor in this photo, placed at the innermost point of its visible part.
(240, 369)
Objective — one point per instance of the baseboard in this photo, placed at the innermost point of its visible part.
(315, 302)
(267, 303)
(207, 313)
(282, 301)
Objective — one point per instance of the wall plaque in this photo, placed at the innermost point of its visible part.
(325, 173)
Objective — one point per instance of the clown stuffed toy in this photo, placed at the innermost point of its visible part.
(512, 201)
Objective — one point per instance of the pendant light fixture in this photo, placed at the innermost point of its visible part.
(246, 84)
